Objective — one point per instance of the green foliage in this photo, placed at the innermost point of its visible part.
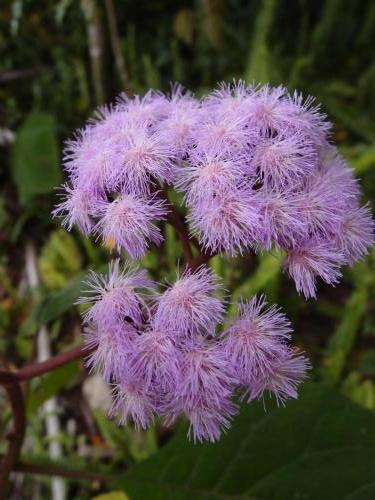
(60, 259)
(113, 495)
(359, 390)
(35, 157)
(342, 340)
(53, 305)
(129, 445)
(260, 66)
(50, 384)
(319, 447)
(268, 270)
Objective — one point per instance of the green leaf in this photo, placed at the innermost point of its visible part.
(321, 447)
(345, 334)
(364, 161)
(268, 269)
(359, 390)
(260, 66)
(127, 441)
(57, 303)
(60, 259)
(49, 385)
(35, 157)
(112, 495)
(53, 305)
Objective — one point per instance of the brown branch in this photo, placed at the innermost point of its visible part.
(18, 74)
(56, 470)
(11, 382)
(201, 259)
(36, 369)
(16, 436)
(178, 224)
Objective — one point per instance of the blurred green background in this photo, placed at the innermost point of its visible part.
(61, 58)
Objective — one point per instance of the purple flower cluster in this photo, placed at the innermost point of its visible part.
(255, 166)
(164, 357)
(257, 172)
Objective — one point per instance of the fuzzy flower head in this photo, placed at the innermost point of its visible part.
(128, 223)
(87, 160)
(356, 235)
(283, 377)
(314, 259)
(76, 208)
(189, 305)
(146, 159)
(116, 298)
(155, 361)
(257, 170)
(255, 339)
(225, 134)
(110, 349)
(205, 391)
(178, 126)
(132, 402)
(229, 99)
(227, 223)
(209, 176)
(284, 161)
(147, 110)
(279, 220)
(265, 112)
(304, 115)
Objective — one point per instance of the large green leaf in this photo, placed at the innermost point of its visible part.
(35, 157)
(321, 447)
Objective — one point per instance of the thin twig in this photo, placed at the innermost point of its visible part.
(177, 223)
(11, 382)
(56, 470)
(36, 369)
(15, 438)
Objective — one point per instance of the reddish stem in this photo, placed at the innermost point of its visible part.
(16, 436)
(11, 382)
(36, 369)
(11, 379)
(176, 221)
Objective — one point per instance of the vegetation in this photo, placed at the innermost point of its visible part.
(59, 59)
